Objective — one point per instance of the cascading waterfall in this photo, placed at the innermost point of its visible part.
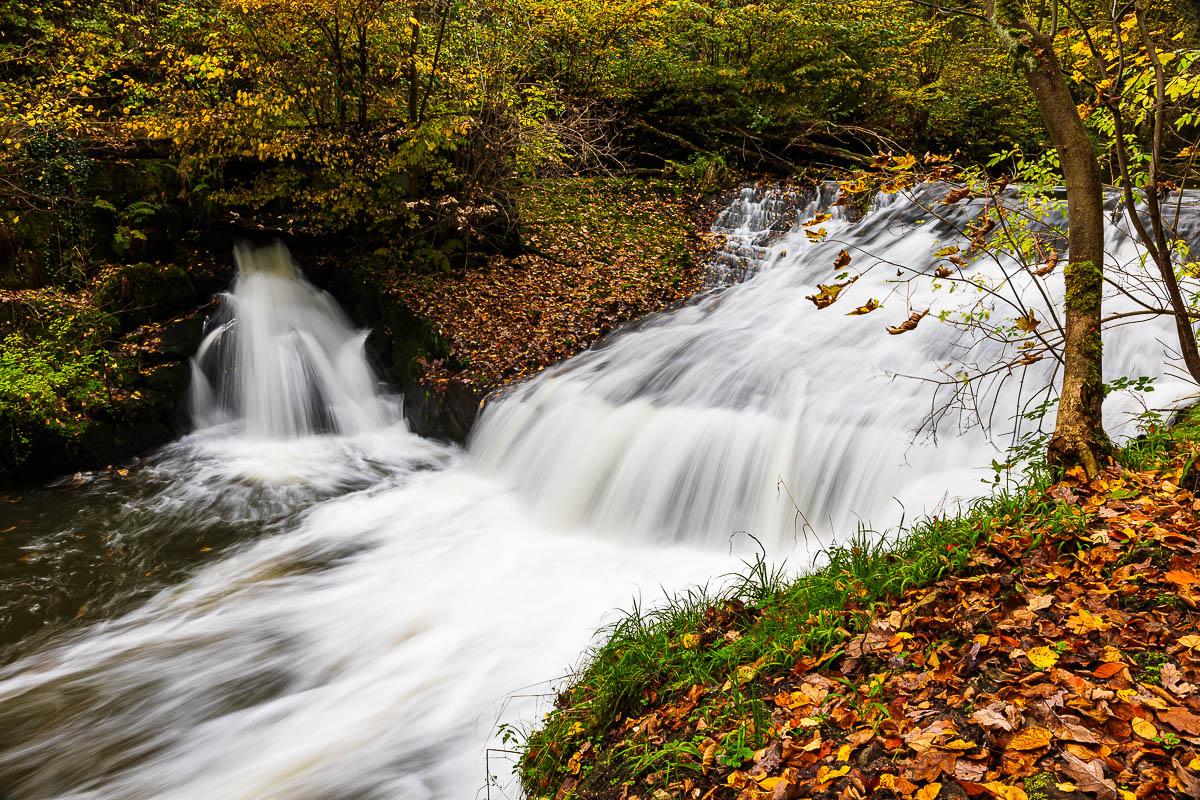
(751, 405)
(281, 359)
(367, 649)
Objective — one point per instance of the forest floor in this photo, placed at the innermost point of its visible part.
(601, 251)
(1044, 645)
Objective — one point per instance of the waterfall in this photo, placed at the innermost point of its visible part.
(752, 408)
(366, 645)
(280, 359)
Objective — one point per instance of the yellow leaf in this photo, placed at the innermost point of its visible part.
(690, 641)
(929, 791)
(958, 744)
(844, 752)
(1031, 738)
(1144, 728)
(867, 308)
(998, 789)
(1084, 621)
(1191, 641)
(1042, 657)
(825, 774)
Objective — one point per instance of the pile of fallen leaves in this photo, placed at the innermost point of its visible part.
(601, 252)
(1058, 665)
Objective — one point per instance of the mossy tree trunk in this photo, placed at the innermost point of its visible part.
(1079, 437)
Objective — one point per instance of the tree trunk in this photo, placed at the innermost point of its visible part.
(1079, 438)
(413, 88)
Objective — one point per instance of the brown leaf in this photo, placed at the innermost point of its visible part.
(1172, 681)
(955, 195)
(909, 324)
(1089, 776)
(992, 718)
(1181, 720)
(1051, 263)
(1028, 322)
(842, 261)
(1189, 781)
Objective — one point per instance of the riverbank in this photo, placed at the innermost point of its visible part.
(596, 253)
(94, 376)
(1039, 646)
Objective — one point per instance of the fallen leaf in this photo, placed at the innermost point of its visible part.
(1089, 776)
(1031, 738)
(1005, 792)
(1180, 577)
(1107, 670)
(1084, 622)
(992, 718)
(1042, 657)
(825, 774)
(1181, 720)
(1144, 728)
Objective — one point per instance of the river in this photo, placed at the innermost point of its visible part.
(303, 599)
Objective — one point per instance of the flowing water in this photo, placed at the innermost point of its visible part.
(303, 599)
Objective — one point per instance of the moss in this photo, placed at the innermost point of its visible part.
(139, 293)
(1149, 666)
(1039, 786)
(1085, 283)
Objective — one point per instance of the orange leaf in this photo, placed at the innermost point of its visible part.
(1181, 577)
(1107, 670)
(1031, 738)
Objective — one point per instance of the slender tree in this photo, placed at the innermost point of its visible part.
(1079, 437)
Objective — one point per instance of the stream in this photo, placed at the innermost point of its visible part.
(303, 599)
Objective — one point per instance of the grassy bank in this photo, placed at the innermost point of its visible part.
(1035, 646)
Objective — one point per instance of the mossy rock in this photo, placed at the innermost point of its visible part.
(140, 293)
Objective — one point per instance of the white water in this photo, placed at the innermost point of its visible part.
(281, 360)
(368, 652)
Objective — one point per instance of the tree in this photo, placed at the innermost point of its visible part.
(1079, 437)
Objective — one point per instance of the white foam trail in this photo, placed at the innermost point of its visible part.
(366, 652)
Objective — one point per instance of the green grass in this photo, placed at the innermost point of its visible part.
(654, 652)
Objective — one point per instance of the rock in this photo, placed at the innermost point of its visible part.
(140, 293)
